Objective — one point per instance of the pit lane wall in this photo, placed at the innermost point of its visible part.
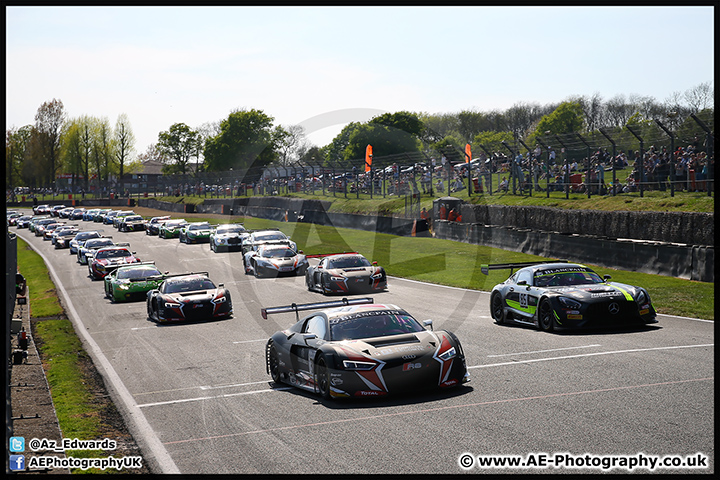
(666, 243)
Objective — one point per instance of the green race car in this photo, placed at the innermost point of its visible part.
(195, 232)
(171, 228)
(132, 282)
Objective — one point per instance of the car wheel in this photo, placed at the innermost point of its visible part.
(308, 282)
(545, 316)
(274, 365)
(496, 309)
(322, 377)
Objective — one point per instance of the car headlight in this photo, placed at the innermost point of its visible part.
(355, 365)
(376, 275)
(221, 299)
(642, 298)
(569, 303)
(448, 354)
(337, 279)
(172, 305)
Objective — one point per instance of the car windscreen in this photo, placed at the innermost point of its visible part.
(201, 226)
(348, 262)
(140, 272)
(188, 285)
(278, 252)
(115, 253)
(270, 237)
(566, 278)
(236, 229)
(373, 324)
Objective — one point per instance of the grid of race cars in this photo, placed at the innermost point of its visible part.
(347, 348)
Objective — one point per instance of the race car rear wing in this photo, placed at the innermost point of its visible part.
(314, 306)
(320, 255)
(485, 268)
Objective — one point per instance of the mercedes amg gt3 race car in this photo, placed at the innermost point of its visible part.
(557, 296)
(345, 273)
(356, 348)
(188, 296)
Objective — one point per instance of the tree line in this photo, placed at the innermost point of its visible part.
(93, 153)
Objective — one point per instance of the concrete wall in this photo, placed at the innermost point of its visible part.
(673, 227)
(674, 244)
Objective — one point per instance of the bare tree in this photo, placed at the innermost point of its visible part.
(124, 144)
(700, 97)
(49, 120)
(292, 144)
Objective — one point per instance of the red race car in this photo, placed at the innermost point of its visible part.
(107, 259)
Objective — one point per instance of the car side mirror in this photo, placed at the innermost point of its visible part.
(428, 323)
(221, 285)
(606, 277)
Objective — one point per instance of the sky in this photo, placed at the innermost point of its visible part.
(323, 67)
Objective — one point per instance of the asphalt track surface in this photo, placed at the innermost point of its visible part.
(197, 398)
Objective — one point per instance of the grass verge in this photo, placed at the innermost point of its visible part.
(67, 366)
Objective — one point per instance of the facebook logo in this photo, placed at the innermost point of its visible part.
(17, 444)
(17, 462)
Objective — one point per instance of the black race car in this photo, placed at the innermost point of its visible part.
(560, 295)
(345, 273)
(191, 296)
(355, 348)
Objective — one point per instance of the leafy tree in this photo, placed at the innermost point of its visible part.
(246, 140)
(385, 140)
(492, 141)
(567, 117)
(16, 142)
(178, 143)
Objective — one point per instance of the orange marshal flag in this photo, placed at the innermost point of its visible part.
(368, 158)
(468, 153)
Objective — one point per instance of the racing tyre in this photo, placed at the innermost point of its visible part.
(322, 377)
(274, 365)
(496, 309)
(545, 316)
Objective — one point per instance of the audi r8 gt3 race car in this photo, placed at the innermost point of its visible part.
(171, 228)
(195, 232)
(556, 296)
(87, 250)
(354, 348)
(132, 282)
(153, 225)
(107, 259)
(131, 223)
(275, 260)
(345, 273)
(228, 237)
(191, 296)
